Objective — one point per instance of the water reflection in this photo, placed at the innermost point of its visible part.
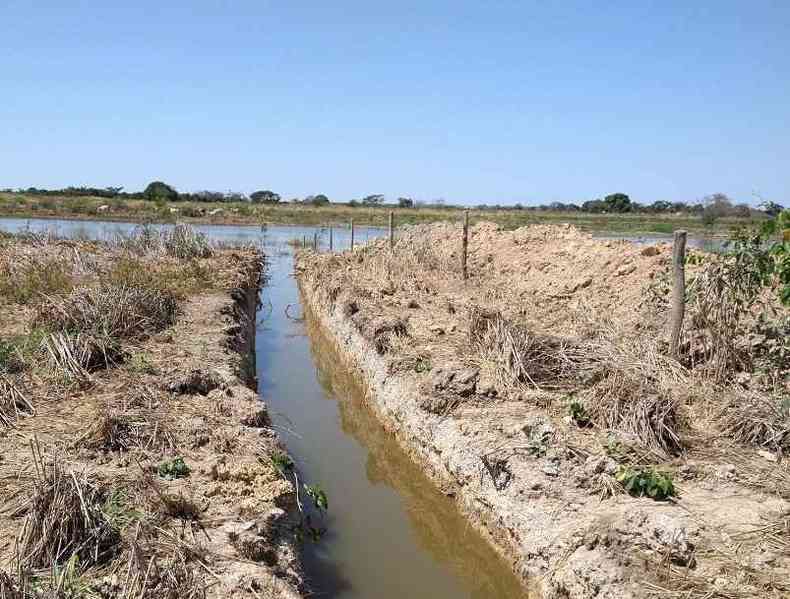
(435, 521)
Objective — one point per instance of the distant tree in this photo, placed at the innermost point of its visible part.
(265, 197)
(317, 200)
(235, 196)
(373, 200)
(595, 206)
(618, 202)
(716, 206)
(405, 203)
(660, 206)
(159, 191)
(772, 209)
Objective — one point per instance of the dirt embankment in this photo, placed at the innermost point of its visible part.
(539, 393)
(136, 458)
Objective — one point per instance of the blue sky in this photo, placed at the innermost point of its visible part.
(473, 102)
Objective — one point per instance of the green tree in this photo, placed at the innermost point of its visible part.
(618, 202)
(159, 191)
(317, 200)
(405, 203)
(373, 200)
(265, 197)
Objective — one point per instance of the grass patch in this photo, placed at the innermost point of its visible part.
(35, 280)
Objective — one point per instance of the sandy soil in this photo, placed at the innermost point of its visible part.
(543, 488)
(186, 391)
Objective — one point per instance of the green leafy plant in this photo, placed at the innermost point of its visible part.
(173, 469)
(579, 413)
(422, 365)
(317, 494)
(641, 482)
(283, 462)
(118, 511)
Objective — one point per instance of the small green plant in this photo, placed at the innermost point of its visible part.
(283, 462)
(317, 494)
(117, 510)
(579, 413)
(140, 363)
(173, 469)
(538, 442)
(649, 482)
(422, 365)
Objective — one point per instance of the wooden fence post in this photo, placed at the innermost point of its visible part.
(315, 241)
(392, 231)
(465, 245)
(304, 241)
(678, 291)
(330, 238)
(352, 234)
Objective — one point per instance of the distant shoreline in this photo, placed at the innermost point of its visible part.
(245, 214)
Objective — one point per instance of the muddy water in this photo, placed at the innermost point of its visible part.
(391, 534)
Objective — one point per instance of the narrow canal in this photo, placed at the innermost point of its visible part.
(390, 533)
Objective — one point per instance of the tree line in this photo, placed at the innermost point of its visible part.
(710, 208)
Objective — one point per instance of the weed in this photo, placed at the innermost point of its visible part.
(317, 494)
(173, 469)
(422, 365)
(283, 462)
(579, 413)
(117, 510)
(649, 482)
(141, 364)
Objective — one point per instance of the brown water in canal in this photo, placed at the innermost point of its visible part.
(391, 533)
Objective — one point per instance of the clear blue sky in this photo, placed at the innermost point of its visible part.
(497, 102)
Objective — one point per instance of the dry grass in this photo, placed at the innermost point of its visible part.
(116, 312)
(123, 431)
(63, 518)
(624, 402)
(159, 565)
(13, 400)
(523, 357)
(758, 420)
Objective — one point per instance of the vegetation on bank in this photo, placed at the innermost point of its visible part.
(718, 216)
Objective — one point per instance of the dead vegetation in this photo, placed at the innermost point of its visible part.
(63, 518)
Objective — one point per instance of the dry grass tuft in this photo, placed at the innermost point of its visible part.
(758, 420)
(158, 565)
(134, 429)
(522, 357)
(109, 311)
(64, 518)
(13, 401)
(626, 402)
(79, 355)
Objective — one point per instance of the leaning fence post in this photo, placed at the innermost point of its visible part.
(678, 291)
(392, 233)
(352, 233)
(465, 244)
